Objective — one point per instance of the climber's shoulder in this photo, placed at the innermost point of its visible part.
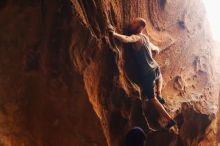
(139, 41)
(135, 38)
(142, 35)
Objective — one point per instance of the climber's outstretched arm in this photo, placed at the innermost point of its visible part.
(126, 39)
(123, 38)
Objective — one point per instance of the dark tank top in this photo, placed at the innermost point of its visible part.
(143, 56)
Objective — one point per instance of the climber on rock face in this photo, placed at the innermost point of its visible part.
(148, 68)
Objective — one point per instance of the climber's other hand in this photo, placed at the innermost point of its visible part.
(155, 52)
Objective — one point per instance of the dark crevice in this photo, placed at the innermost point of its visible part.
(33, 59)
(59, 37)
(2, 4)
(43, 11)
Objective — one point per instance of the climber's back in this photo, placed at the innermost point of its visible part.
(143, 55)
(141, 45)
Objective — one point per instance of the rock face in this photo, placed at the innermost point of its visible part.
(65, 81)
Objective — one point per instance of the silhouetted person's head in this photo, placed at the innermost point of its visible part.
(135, 137)
(137, 25)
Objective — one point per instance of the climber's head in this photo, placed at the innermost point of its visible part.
(135, 137)
(137, 25)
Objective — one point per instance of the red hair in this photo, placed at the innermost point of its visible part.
(132, 28)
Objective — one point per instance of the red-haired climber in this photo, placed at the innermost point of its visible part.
(148, 68)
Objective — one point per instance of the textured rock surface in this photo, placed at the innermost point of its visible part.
(65, 82)
(43, 101)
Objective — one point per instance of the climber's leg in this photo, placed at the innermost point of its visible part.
(163, 112)
(159, 85)
(160, 108)
(148, 94)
